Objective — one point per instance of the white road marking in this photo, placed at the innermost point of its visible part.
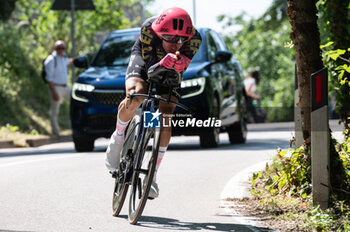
(237, 188)
(39, 160)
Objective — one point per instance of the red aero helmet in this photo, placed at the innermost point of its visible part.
(173, 21)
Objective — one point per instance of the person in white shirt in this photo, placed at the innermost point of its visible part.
(250, 85)
(56, 68)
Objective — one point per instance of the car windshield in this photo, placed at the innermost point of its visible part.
(115, 51)
(199, 56)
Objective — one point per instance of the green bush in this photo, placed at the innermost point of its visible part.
(28, 37)
(289, 173)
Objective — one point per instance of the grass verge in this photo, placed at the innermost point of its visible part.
(282, 194)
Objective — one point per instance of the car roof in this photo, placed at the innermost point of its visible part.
(136, 30)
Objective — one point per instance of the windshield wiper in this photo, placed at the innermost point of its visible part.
(116, 65)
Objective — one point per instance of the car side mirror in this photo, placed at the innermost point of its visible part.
(81, 61)
(222, 56)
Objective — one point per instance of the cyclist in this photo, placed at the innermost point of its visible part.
(161, 38)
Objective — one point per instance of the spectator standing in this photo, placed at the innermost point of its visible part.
(250, 85)
(56, 68)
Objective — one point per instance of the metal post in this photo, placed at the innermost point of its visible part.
(73, 5)
(72, 2)
(297, 116)
(320, 157)
(194, 13)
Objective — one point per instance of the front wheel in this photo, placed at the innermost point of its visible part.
(121, 182)
(83, 145)
(143, 173)
(210, 137)
(237, 133)
(119, 194)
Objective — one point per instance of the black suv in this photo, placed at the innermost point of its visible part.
(212, 87)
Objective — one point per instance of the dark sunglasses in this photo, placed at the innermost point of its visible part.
(60, 48)
(174, 38)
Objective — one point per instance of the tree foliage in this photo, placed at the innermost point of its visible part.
(43, 26)
(28, 37)
(335, 21)
(263, 43)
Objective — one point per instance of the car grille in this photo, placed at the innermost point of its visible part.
(101, 121)
(109, 98)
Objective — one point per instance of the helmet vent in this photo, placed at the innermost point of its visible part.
(175, 24)
(179, 23)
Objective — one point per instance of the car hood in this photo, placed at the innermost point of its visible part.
(103, 77)
(196, 69)
(114, 78)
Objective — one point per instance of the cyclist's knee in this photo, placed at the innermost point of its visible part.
(134, 85)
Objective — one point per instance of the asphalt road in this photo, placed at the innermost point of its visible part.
(52, 188)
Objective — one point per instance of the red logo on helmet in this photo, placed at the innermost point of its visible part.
(189, 30)
(160, 18)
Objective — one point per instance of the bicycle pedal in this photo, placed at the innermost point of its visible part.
(114, 174)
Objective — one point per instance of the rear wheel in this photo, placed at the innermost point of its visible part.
(211, 136)
(121, 182)
(237, 133)
(143, 175)
(83, 145)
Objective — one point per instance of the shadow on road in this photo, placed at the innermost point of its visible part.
(161, 223)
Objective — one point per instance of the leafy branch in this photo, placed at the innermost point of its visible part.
(335, 55)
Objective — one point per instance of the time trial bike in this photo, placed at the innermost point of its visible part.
(140, 149)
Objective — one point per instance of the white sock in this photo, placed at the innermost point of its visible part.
(115, 146)
(119, 132)
(161, 153)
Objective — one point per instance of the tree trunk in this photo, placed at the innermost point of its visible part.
(306, 38)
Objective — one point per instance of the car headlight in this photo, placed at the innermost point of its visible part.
(192, 87)
(78, 87)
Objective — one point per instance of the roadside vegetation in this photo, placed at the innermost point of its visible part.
(263, 43)
(28, 30)
(282, 192)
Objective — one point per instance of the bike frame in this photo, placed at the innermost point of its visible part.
(132, 163)
(151, 101)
